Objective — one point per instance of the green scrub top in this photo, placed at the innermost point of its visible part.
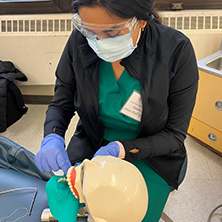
(112, 97)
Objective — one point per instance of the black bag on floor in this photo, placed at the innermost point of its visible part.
(12, 106)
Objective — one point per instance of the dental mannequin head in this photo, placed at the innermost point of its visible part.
(112, 189)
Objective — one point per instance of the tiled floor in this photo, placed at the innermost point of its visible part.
(198, 195)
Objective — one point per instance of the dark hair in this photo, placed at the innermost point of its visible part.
(141, 9)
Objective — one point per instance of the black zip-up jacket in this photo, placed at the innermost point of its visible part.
(12, 106)
(164, 63)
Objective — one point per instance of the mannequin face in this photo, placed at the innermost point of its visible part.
(105, 183)
(100, 16)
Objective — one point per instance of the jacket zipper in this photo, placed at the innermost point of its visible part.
(94, 101)
(129, 69)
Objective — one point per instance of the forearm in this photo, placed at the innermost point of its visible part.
(57, 121)
(61, 109)
(159, 144)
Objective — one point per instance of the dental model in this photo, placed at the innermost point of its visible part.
(113, 190)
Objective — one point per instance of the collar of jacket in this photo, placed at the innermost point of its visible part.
(88, 56)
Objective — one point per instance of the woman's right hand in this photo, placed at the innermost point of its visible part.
(52, 155)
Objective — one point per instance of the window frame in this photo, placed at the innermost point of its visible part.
(35, 7)
(165, 5)
(64, 6)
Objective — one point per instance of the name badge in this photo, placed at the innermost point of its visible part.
(133, 107)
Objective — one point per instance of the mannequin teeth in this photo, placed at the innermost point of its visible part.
(75, 196)
(69, 175)
(62, 179)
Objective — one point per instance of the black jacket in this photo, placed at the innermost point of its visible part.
(165, 64)
(12, 106)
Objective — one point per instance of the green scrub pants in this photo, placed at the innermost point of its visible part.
(158, 191)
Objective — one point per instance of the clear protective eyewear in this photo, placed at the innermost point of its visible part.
(102, 31)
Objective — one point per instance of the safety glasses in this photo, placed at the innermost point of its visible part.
(102, 31)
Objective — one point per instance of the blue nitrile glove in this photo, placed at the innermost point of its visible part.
(52, 155)
(111, 149)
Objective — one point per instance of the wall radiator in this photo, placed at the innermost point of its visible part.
(60, 24)
(210, 20)
(52, 24)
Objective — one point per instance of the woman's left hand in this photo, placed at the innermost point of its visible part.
(115, 149)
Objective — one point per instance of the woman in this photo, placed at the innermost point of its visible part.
(133, 83)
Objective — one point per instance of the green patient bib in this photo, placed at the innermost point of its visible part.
(112, 97)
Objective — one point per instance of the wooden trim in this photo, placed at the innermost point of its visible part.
(38, 7)
(37, 99)
(64, 6)
(165, 5)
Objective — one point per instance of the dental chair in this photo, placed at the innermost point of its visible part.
(22, 185)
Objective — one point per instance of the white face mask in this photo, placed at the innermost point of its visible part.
(113, 49)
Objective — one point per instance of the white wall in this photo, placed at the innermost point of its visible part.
(205, 44)
(34, 44)
(37, 58)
